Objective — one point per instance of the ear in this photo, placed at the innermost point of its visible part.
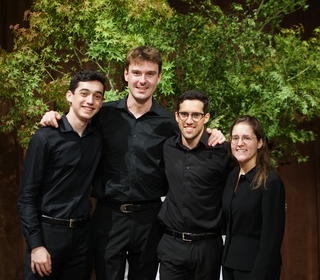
(159, 78)
(125, 74)
(206, 118)
(177, 116)
(69, 96)
(260, 144)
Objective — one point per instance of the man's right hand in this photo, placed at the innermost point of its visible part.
(41, 261)
(50, 119)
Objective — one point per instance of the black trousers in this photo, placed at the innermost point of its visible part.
(181, 260)
(70, 250)
(119, 237)
(233, 274)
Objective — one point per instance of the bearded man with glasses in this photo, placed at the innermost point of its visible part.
(191, 246)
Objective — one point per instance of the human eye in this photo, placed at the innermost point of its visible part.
(196, 115)
(83, 93)
(234, 138)
(247, 138)
(183, 114)
(135, 73)
(97, 96)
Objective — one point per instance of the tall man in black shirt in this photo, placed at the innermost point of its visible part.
(191, 246)
(54, 204)
(131, 178)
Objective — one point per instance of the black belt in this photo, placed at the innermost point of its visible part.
(190, 237)
(132, 207)
(71, 223)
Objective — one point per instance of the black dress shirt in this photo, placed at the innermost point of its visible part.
(196, 181)
(131, 167)
(58, 173)
(255, 224)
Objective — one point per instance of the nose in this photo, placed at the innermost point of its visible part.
(89, 99)
(240, 141)
(143, 79)
(189, 119)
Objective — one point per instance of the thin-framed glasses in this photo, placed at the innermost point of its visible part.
(244, 138)
(195, 116)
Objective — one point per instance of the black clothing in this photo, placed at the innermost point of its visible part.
(131, 171)
(196, 180)
(58, 172)
(118, 236)
(56, 187)
(180, 260)
(232, 274)
(131, 167)
(255, 225)
(70, 250)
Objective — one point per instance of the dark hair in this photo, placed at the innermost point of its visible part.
(263, 160)
(144, 53)
(87, 75)
(193, 95)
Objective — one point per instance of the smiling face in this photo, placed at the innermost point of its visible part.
(191, 130)
(245, 145)
(143, 78)
(86, 100)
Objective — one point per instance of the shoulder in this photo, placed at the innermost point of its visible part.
(273, 178)
(45, 133)
(111, 104)
(274, 184)
(160, 110)
(171, 141)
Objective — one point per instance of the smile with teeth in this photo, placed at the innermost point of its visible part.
(87, 108)
(189, 128)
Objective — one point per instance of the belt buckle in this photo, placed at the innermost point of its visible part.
(123, 208)
(184, 238)
(72, 223)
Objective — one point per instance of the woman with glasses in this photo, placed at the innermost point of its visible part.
(253, 206)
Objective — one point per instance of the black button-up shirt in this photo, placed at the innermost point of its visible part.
(58, 173)
(196, 181)
(131, 167)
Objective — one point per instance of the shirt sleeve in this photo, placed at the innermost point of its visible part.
(30, 196)
(273, 221)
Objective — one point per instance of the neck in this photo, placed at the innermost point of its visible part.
(191, 143)
(78, 125)
(245, 168)
(138, 108)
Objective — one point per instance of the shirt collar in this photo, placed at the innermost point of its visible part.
(65, 126)
(203, 142)
(155, 107)
(250, 174)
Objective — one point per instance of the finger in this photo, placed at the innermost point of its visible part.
(55, 123)
(38, 269)
(33, 267)
(44, 270)
(58, 116)
(47, 266)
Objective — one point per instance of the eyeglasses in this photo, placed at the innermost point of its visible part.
(245, 139)
(195, 116)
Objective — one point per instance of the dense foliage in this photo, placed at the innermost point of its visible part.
(239, 57)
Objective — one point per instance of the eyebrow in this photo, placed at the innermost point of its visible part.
(85, 89)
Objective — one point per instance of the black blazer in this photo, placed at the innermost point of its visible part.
(254, 225)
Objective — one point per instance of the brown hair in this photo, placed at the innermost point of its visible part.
(263, 160)
(144, 53)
